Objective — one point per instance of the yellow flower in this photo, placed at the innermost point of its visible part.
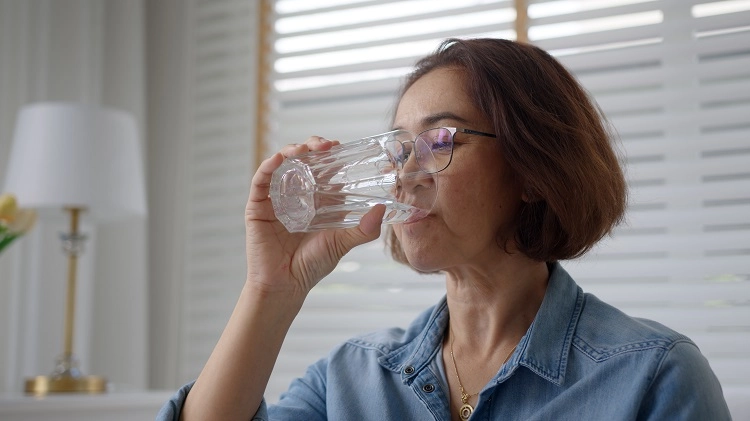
(23, 221)
(14, 222)
(8, 207)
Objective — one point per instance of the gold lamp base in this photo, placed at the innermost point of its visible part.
(66, 377)
(42, 385)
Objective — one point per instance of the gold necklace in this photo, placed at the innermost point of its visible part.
(466, 409)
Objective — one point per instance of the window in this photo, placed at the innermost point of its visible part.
(672, 76)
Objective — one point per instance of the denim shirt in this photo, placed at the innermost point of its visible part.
(581, 359)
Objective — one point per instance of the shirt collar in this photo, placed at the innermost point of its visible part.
(544, 348)
(417, 353)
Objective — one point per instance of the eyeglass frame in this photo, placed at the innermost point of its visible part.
(452, 131)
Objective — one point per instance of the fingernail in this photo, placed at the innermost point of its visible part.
(323, 140)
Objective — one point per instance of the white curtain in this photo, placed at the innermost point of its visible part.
(86, 51)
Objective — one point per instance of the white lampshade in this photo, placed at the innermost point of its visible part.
(74, 155)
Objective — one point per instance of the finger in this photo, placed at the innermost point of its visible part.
(317, 143)
(312, 143)
(294, 149)
(368, 230)
(261, 182)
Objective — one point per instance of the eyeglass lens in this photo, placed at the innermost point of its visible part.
(432, 147)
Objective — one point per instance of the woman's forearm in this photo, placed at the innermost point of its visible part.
(233, 381)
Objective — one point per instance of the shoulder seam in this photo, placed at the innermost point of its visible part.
(598, 356)
(666, 354)
(360, 343)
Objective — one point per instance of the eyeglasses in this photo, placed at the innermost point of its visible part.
(433, 148)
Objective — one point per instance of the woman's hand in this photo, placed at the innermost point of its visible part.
(293, 263)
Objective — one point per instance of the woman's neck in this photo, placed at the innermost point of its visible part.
(491, 308)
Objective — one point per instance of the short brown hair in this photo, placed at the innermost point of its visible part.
(552, 135)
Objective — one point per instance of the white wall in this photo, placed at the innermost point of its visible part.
(87, 51)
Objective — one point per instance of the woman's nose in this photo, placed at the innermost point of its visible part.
(409, 159)
(412, 176)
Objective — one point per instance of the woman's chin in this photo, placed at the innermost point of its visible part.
(426, 269)
(418, 243)
(423, 261)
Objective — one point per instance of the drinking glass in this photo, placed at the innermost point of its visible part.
(335, 188)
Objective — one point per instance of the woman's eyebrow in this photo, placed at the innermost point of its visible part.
(433, 119)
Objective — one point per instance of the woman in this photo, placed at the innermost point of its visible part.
(528, 177)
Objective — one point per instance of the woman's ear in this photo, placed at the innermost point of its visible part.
(527, 192)
(528, 195)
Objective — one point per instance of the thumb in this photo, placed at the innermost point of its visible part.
(370, 224)
(368, 230)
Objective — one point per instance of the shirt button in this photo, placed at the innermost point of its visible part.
(409, 370)
(428, 388)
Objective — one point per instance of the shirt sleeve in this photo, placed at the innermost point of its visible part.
(306, 397)
(684, 388)
(173, 408)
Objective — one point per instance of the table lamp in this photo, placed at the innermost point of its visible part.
(82, 159)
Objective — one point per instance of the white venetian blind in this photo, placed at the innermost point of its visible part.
(674, 78)
(220, 93)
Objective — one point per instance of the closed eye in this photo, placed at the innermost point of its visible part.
(441, 147)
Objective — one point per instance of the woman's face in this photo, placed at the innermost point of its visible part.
(478, 197)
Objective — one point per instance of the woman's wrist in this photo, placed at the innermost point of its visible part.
(274, 300)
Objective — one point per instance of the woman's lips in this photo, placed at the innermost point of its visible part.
(415, 218)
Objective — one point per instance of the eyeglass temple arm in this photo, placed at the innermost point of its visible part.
(474, 132)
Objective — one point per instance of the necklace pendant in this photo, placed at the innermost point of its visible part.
(464, 396)
(465, 412)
